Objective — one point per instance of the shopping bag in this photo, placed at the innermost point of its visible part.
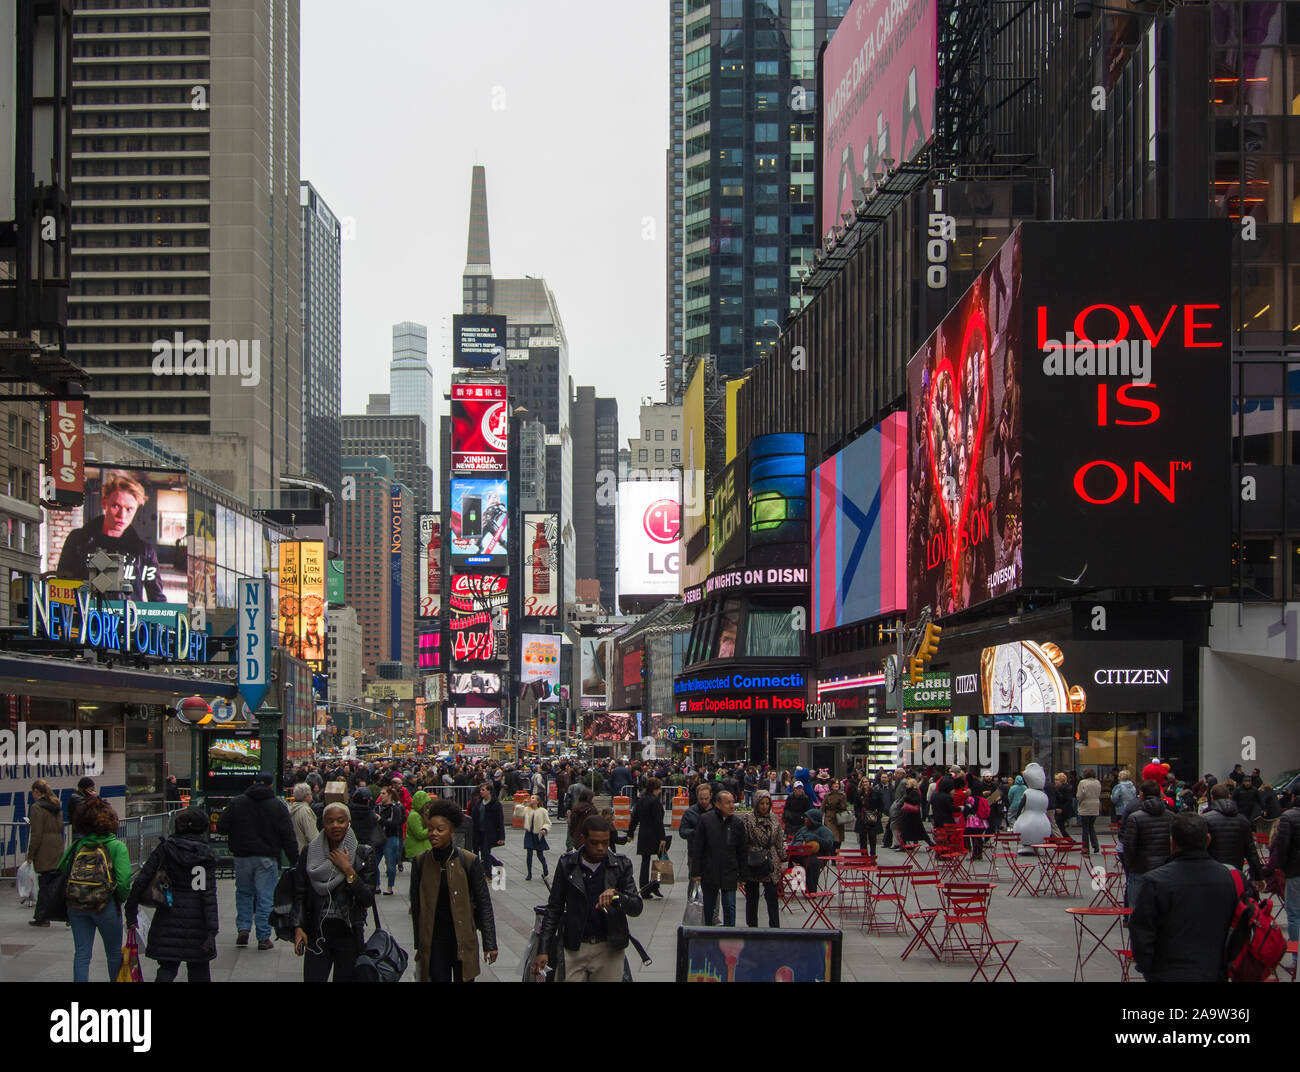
(694, 914)
(25, 881)
(662, 871)
(130, 972)
(142, 931)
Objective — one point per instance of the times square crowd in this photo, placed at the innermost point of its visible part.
(438, 820)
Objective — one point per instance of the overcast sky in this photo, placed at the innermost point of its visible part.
(397, 107)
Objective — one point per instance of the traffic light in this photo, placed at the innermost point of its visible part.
(929, 643)
(915, 670)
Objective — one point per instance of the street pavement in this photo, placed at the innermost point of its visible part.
(1046, 952)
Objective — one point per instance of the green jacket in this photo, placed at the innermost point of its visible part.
(116, 852)
(417, 837)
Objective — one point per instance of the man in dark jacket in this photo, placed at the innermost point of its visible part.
(796, 807)
(84, 791)
(593, 894)
(1286, 850)
(1183, 911)
(1146, 838)
(1246, 797)
(111, 531)
(259, 828)
(693, 814)
(1232, 842)
(652, 838)
(941, 805)
(715, 857)
(620, 778)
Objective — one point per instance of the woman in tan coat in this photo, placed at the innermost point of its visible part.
(1088, 797)
(837, 801)
(45, 847)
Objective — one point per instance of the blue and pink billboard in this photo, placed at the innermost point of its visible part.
(859, 504)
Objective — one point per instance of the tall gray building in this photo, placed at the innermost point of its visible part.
(537, 362)
(595, 483)
(186, 229)
(674, 338)
(411, 378)
(322, 340)
(402, 439)
(743, 184)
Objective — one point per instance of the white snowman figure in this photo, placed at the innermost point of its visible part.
(1033, 826)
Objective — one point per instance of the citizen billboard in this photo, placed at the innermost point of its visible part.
(649, 544)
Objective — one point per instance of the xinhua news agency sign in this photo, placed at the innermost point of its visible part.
(115, 627)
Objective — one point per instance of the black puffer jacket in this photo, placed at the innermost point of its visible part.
(364, 823)
(717, 850)
(257, 823)
(1146, 836)
(1248, 803)
(179, 932)
(1180, 922)
(1231, 838)
(1287, 842)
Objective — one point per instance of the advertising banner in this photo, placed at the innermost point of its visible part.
(594, 659)
(398, 527)
(729, 513)
(254, 652)
(478, 684)
(301, 608)
(649, 545)
(859, 503)
(879, 76)
(541, 662)
(541, 565)
(65, 457)
(479, 519)
(740, 694)
(430, 566)
(141, 515)
(388, 691)
(334, 583)
(476, 340)
(1053, 674)
(778, 513)
(479, 424)
(932, 696)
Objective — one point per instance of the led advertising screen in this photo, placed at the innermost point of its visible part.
(230, 755)
(649, 544)
(965, 524)
(476, 340)
(859, 506)
(541, 662)
(879, 76)
(430, 566)
(479, 423)
(476, 684)
(139, 514)
(300, 623)
(594, 660)
(541, 565)
(479, 519)
(1125, 376)
(479, 613)
(778, 498)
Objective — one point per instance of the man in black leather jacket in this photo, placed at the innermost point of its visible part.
(1231, 839)
(1183, 910)
(1146, 838)
(593, 894)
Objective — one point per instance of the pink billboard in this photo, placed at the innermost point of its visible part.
(879, 76)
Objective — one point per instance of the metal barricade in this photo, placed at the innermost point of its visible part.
(140, 834)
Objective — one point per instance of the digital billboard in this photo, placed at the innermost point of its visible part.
(479, 424)
(879, 75)
(476, 340)
(965, 524)
(1067, 421)
(1127, 432)
(430, 566)
(649, 544)
(728, 513)
(540, 661)
(479, 519)
(479, 611)
(594, 662)
(139, 514)
(778, 513)
(477, 684)
(859, 540)
(335, 583)
(300, 622)
(541, 566)
(695, 516)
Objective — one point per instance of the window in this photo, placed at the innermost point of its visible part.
(13, 430)
(676, 454)
(643, 455)
(768, 633)
(659, 454)
(659, 435)
(674, 435)
(765, 254)
(765, 132)
(768, 225)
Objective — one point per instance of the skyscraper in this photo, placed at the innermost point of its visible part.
(400, 437)
(411, 378)
(748, 104)
(595, 482)
(322, 339)
(186, 229)
(537, 362)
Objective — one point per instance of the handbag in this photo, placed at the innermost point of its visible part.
(130, 972)
(662, 871)
(694, 914)
(871, 817)
(159, 893)
(381, 959)
(759, 861)
(844, 818)
(284, 918)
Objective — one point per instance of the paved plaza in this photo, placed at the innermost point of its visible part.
(1046, 933)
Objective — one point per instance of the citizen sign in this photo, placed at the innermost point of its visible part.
(1127, 676)
(964, 684)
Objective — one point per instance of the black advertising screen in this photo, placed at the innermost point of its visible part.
(1125, 381)
(476, 340)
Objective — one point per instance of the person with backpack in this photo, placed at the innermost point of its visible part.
(1232, 842)
(259, 828)
(186, 928)
(1184, 909)
(334, 886)
(1285, 855)
(99, 881)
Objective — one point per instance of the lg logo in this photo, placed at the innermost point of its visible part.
(662, 521)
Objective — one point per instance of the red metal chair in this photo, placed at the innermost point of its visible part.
(965, 906)
(818, 904)
(887, 888)
(1125, 958)
(1003, 948)
(922, 920)
(1023, 870)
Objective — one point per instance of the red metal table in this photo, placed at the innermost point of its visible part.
(1081, 916)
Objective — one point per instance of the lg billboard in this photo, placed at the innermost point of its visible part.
(649, 544)
(1067, 419)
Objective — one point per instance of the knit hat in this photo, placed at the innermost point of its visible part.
(815, 815)
(190, 821)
